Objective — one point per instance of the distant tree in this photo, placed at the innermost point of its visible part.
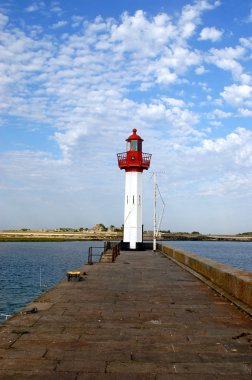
(100, 227)
(195, 233)
(118, 229)
(245, 234)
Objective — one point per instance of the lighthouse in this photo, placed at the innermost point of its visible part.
(134, 162)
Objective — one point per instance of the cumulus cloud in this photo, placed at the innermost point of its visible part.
(238, 96)
(215, 167)
(35, 6)
(143, 36)
(227, 157)
(59, 24)
(240, 138)
(175, 118)
(174, 102)
(3, 20)
(90, 64)
(221, 114)
(77, 20)
(245, 112)
(227, 59)
(200, 70)
(211, 34)
(101, 62)
(56, 8)
(191, 16)
(235, 183)
(246, 42)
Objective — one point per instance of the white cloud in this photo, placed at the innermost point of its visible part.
(3, 20)
(211, 34)
(227, 58)
(165, 76)
(246, 42)
(221, 114)
(250, 16)
(56, 8)
(234, 182)
(216, 168)
(238, 144)
(244, 112)
(77, 20)
(35, 6)
(174, 102)
(205, 87)
(216, 123)
(200, 70)
(170, 115)
(142, 36)
(59, 24)
(97, 79)
(191, 16)
(238, 96)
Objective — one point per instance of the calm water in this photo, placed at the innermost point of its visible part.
(236, 254)
(24, 266)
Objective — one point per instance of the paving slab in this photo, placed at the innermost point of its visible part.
(142, 317)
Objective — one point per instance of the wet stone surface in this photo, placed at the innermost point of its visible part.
(142, 317)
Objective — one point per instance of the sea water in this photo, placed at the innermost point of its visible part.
(27, 269)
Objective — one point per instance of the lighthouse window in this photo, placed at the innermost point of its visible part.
(134, 145)
(139, 200)
(133, 199)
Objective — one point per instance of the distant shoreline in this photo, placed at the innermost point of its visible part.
(34, 236)
(57, 237)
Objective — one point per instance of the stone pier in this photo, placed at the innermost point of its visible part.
(142, 317)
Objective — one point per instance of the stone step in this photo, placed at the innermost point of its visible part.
(107, 256)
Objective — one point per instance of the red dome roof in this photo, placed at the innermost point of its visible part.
(134, 136)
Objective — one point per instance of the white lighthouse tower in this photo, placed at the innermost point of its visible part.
(133, 161)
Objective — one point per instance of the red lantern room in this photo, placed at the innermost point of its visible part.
(134, 160)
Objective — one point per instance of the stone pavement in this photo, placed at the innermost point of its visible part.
(142, 317)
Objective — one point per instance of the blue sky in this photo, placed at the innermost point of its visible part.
(75, 79)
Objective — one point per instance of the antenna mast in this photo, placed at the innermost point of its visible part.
(155, 226)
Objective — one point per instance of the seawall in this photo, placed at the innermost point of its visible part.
(234, 283)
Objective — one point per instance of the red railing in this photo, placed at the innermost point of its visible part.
(92, 255)
(125, 161)
(122, 158)
(115, 247)
(115, 251)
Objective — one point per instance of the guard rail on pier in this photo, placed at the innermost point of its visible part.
(92, 254)
(115, 251)
(112, 247)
